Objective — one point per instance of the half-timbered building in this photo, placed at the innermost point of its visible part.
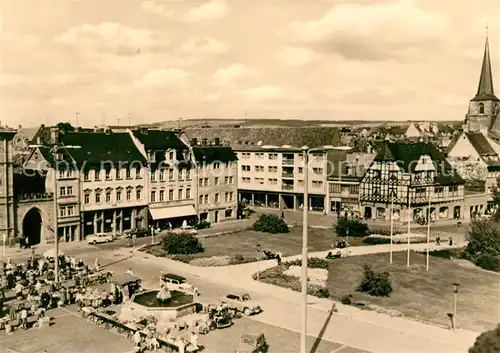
(405, 176)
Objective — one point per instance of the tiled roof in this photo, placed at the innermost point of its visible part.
(249, 138)
(211, 154)
(159, 139)
(480, 143)
(99, 147)
(406, 155)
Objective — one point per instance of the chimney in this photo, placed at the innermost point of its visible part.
(38, 140)
(54, 135)
(204, 141)
(369, 149)
(194, 141)
(217, 141)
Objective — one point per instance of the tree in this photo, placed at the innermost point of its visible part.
(65, 127)
(487, 342)
(351, 227)
(269, 223)
(374, 283)
(181, 244)
(483, 247)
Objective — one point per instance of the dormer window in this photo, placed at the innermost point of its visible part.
(481, 108)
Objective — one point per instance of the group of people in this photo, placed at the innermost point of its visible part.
(147, 339)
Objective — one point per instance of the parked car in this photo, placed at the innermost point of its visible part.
(176, 282)
(252, 344)
(242, 303)
(138, 232)
(185, 230)
(100, 238)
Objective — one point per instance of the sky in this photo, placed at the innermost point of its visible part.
(103, 61)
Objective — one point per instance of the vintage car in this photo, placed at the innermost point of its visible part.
(184, 230)
(100, 238)
(177, 283)
(252, 344)
(242, 303)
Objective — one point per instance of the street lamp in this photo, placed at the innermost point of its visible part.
(55, 156)
(258, 262)
(455, 295)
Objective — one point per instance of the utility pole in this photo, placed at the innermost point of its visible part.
(77, 115)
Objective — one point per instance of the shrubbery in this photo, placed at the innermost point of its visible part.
(312, 262)
(489, 262)
(181, 244)
(356, 228)
(269, 223)
(484, 244)
(374, 283)
(487, 342)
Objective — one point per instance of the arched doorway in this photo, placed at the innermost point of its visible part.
(32, 226)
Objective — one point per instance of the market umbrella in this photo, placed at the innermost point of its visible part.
(51, 253)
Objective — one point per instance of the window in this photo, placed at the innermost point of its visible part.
(188, 193)
(97, 174)
(335, 188)
(206, 199)
(201, 200)
(171, 155)
(259, 180)
(71, 210)
(153, 196)
(69, 173)
(87, 198)
(118, 173)
(420, 192)
(97, 197)
(69, 190)
(86, 176)
(138, 194)
(272, 181)
(62, 212)
(273, 156)
(162, 195)
(272, 169)
(245, 180)
(392, 192)
(129, 195)
(318, 171)
(481, 108)
(62, 191)
(259, 155)
(127, 173)
(182, 174)
(108, 174)
(393, 175)
(180, 194)
(245, 168)
(217, 198)
(301, 183)
(61, 174)
(376, 191)
(188, 174)
(245, 155)
(108, 196)
(206, 182)
(170, 174)
(438, 189)
(216, 165)
(138, 172)
(301, 170)
(216, 181)
(259, 168)
(226, 180)
(200, 183)
(162, 174)
(230, 180)
(153, 175)
(317, 184)
(170, 195)
(226, 196)
(118, 195)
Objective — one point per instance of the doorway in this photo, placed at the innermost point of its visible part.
(368, 212)
(216, 217)
(32, 226)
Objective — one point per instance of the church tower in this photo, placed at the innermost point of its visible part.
(484, 107)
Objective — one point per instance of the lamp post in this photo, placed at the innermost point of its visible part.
(392, 229)
(258, 261)
(455, 295)
(409, 229)
(428, 235)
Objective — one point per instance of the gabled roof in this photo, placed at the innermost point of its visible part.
(211, 154)
(159, 139)
(98, 147)
(405, 154)
(252, 138)
(480, 143)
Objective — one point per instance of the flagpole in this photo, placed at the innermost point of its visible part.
(409, 229)
(392, 229)
(428, 234)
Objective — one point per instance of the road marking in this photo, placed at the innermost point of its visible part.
(336, 350)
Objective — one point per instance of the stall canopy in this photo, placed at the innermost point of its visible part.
(172, 212)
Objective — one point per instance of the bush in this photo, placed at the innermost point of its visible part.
(322, 293)
(213, 261)
(487, 342)
(376, 284)
(356, 228)
(240, 259)
(313, 262)
(445, 253)
(346, 300)
(489, 262)
(269, 223)
(376, 241)
(181, 244)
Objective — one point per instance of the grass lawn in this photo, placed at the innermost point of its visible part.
(421, 294)
(244, 243)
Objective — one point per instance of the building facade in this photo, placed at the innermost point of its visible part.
(7, 212)
(405, 177)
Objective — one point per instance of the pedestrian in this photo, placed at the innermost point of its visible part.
(27, 242)
(450, 241)
(438, 240)
(129, 272)
(278, 258)
(283, 214)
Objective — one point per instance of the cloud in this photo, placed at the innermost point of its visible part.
(298, 56)
(264, 93)
(205, 45)
(152, 6)
(380, 31)
(212, 10)
(235, 73)
(113, 37)
(171, 77)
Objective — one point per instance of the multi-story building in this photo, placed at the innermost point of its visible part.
(216, 176)
(406, 176)
(7, 213)
(170, 178)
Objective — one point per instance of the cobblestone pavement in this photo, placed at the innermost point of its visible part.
(69, 334)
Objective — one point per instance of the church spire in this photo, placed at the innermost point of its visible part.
(485, 89)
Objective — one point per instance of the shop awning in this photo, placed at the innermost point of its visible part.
(172, 212)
